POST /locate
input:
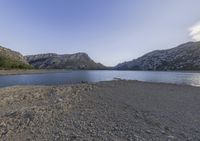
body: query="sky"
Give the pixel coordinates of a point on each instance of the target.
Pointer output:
(109, 31)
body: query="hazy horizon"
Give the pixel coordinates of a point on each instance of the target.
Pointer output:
(110, 31)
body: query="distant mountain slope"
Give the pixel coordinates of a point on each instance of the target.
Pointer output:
(183, 57)
(66, 61)
(10, 59)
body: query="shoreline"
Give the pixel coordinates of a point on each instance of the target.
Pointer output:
(99, 82)
(34, 71)
(54, 71)
(41, 71)
(109, 110)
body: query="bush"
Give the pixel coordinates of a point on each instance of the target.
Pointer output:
(9, 63)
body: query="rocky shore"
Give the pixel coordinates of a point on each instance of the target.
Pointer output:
(30, 71)
(116, 110)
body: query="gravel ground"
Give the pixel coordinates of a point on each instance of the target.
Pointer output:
(105, 111)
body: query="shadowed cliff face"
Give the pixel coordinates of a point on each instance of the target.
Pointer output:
(66, 61)
(12, 60)
(183, 57)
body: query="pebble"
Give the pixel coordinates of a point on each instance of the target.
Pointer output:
(170, 138)
(60, 99)
(163, 132)
(148, 131)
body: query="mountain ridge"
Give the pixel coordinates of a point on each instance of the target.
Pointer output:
(183, 57)
(10, 59)
(75, 61)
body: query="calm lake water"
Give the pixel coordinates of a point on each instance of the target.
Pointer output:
(68, 77)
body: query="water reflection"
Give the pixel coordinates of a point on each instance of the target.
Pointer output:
(187, 78)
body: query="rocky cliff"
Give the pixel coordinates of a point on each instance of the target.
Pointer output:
(10, 59)
(183, 57)
(67, 61)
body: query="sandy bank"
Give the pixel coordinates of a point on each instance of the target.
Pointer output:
(115, 110)
(34, 71)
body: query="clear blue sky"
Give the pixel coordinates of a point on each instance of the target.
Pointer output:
(110, 31)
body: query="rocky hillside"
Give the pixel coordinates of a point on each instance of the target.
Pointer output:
(66, 61)
(12, 60)
(183, 57)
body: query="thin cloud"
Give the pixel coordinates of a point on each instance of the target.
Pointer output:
(195, 32)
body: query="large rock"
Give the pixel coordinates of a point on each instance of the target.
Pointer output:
(183, 57)
(10, 59)
(66, 61)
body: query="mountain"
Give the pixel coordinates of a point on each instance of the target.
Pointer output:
(183, 57)
(10, 59)
(66, 61)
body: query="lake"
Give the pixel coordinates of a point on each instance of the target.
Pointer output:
(70, 77)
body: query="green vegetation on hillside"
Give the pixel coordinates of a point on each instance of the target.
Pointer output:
(9, 63)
